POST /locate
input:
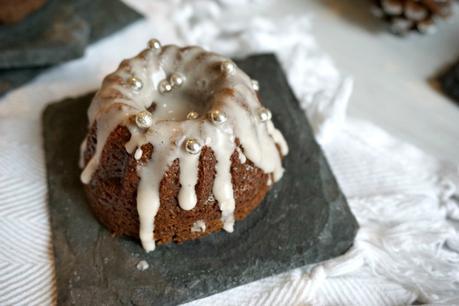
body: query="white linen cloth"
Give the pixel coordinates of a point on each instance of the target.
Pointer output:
(407, 248)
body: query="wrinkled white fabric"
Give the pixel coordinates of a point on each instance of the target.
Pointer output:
(405, 201)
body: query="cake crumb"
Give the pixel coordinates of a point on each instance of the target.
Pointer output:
(142, 265)
(199, 226)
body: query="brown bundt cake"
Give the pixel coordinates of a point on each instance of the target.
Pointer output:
(178, 146)
(12, 11)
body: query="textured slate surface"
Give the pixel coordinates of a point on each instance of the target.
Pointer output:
(104, 16)
(66, 38)
(304, 219)
(449, 82)
(36, 23)
(86, 21)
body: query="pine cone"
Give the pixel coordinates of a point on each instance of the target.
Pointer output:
(404, 16)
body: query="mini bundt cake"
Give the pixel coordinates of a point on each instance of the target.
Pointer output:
(178, 146)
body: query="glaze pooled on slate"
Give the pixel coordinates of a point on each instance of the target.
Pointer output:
(304, 219)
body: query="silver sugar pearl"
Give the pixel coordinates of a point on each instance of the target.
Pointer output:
(154, 44)
(192, 115)
(192, 146)
(264, 114)
(164, 86)
(228, 67)
(176, 80)
(255, 85)
(135, 83)
(144, 119)
(217, 117)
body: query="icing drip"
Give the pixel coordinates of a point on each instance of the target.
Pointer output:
(184, 94)
(148, 195)
(188, 179)
(278, 138)
(223, 147)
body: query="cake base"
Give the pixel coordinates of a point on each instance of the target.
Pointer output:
(304, 218)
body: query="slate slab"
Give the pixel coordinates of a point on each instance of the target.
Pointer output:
(36, 23)
(304, 219)
(103, 16)
(75, 24)
(66, 38)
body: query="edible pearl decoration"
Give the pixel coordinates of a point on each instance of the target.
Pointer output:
(255, 85)
(217, 117)
(135, 83)
(264, 114)
(164, 86)
(192, 115)
(154, 44)
(176, 80)
(228, 67)
(144, 119)
(193, 146)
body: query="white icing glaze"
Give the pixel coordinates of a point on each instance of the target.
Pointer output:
(199, 226)
(205, 87)
(188, 179)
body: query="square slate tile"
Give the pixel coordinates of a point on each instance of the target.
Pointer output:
(74, 24)
(304, 219)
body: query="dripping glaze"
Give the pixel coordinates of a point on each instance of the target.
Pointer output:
(181, 100)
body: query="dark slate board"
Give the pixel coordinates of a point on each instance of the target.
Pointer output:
(65, 39)
(449, 82)
(304, 219)
(100, 17)
(104, 16)
(36, 23)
